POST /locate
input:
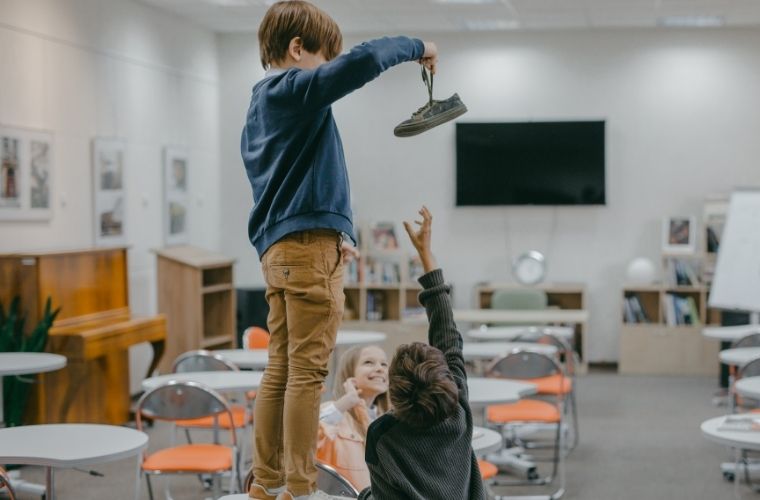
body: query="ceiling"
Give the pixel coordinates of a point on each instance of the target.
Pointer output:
(417, 16)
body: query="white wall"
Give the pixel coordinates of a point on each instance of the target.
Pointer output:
(683, 117)
(112, 68)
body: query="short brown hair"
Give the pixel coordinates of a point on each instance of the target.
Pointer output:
(297, 18)
(421, 387)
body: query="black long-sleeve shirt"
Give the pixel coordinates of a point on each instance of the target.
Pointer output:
(434, 463)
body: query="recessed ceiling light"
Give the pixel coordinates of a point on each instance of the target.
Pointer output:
(490, 25)
(691, 21)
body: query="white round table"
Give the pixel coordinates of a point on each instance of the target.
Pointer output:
(493, 350)
(219, 381)
(485, 441)
(729, 333)
(69, 445)
(739, 356)
(511, 332)
(357, 337)
(257, 359)
(748, 387)
(745, 440)
(246, 359)
(24, 363)
(490, 391)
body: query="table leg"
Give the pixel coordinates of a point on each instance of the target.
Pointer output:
(2, 411)
(139, 476)
(50, 484)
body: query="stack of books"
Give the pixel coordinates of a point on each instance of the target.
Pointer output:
(634, 312)
(680, 310)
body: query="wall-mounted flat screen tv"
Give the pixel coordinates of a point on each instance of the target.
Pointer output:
(530, 163)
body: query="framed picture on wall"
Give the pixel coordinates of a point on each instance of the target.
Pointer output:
(176, 196)
(679, 235)
(26, 174)
(109, 192)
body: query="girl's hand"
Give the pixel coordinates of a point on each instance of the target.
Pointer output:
(351, 398)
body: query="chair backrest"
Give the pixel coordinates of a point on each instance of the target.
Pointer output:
(331, 482)
(201, 361)
(541, 335)
(751, 369)
(519, 298)
(176, 400)
(5, 485)
(524, 365)
(255, 337)
(328, 480)
(751, 340)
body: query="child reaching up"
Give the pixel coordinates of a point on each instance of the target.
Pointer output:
(422, 449)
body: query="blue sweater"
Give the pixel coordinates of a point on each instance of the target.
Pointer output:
(291, 148)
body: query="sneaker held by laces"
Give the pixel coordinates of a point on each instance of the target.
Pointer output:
(432, 114)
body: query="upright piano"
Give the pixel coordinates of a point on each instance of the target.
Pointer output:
(94, 330)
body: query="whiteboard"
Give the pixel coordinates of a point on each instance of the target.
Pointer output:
(736, 284)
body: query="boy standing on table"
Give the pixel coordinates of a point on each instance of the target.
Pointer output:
(294, 160)
(422, 448)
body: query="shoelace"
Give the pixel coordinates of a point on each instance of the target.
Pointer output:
(428, 79)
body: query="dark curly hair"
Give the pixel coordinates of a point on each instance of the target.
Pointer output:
(421, 387)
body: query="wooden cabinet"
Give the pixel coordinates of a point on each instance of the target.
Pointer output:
(559, 296)
(197, 295)
(651, 344)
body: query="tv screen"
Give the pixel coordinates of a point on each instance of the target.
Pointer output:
(531, 163)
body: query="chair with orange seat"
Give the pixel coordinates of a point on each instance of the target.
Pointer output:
(206, 361)
(255, 337)
(174, 401)
(557, 384)
(509, 418)
(6, 487)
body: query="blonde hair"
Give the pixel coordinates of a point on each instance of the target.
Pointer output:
(297, 18)
(346, 369)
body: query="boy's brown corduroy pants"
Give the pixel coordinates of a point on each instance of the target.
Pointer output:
(304, 275)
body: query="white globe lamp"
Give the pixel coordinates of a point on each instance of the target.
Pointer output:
(641, 271)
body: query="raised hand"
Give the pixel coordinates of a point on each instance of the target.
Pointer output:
(420, 238)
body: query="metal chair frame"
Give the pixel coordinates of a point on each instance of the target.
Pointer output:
(176, 408)
(6, 485)
(569, 359)
(204, 360)
(535, 365)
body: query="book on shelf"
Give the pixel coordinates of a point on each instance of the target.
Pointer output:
(415, 269)
(381, 271)
(375, 306)
(680, 310)
(384, 236)
(681, 272)
(634, 312)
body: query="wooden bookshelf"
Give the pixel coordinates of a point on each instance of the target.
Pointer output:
(658, 346)
(196, 292)
(380, 286)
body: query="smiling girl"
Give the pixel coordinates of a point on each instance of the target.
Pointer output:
(361, 395)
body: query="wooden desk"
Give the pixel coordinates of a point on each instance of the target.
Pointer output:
(567, 301)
